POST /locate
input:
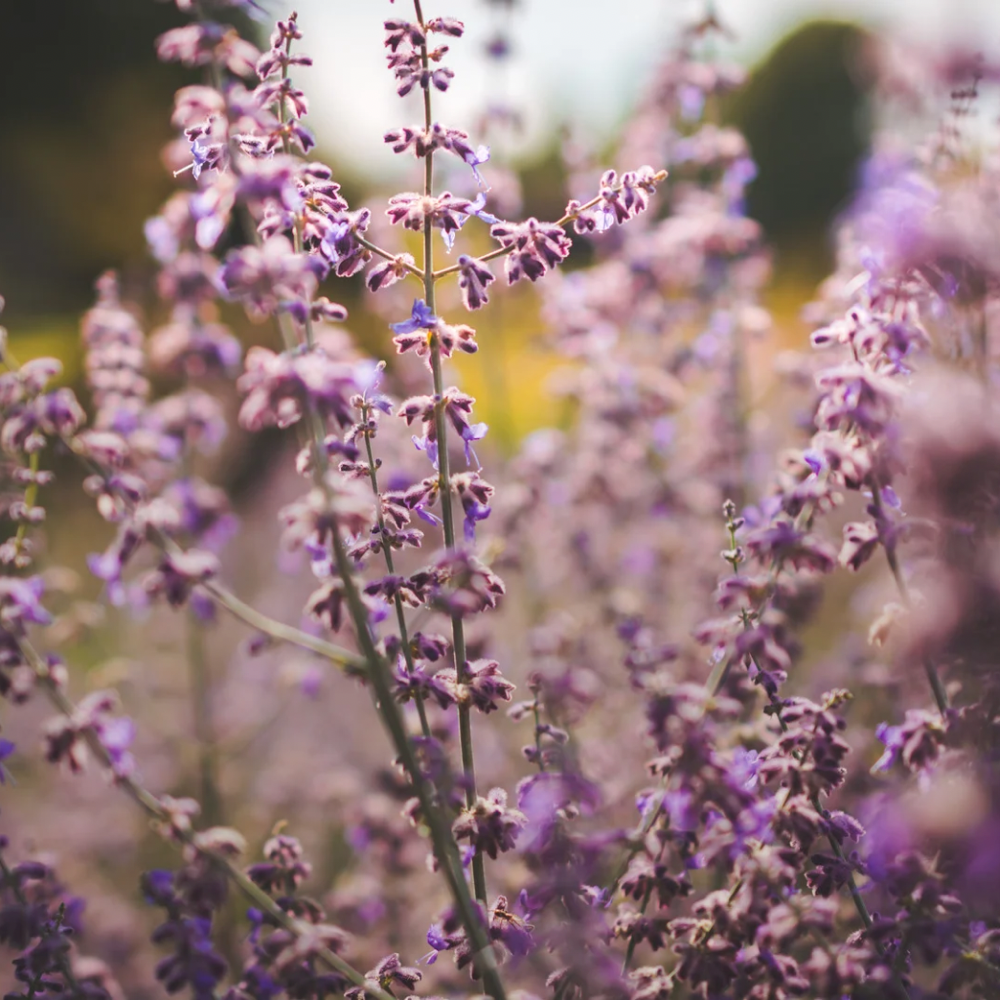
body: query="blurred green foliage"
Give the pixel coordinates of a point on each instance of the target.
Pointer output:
(805, 113)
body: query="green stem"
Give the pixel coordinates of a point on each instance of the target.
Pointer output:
(859, 903)
(441, 431)
(445, 849)
(536, 712)
(379, 252)
(204, 730)
(404, 637)
(344, 658)
(889, 544)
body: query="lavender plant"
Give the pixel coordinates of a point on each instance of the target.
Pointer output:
(687, 817)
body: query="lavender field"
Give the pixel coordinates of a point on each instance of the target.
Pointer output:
(551, 621)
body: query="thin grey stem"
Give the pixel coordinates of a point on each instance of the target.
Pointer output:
(447, 514)
(889, 544)
(204, 729)
(503, 251)
(385, 254)
(445, 849)
(404, 636)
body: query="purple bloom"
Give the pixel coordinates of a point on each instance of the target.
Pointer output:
(754, 824)
(473, 279)
(389, 272)
(116, 736)
(280, 388)
(477, 208)
(509, 929)
(421, 319)
(20, 600)
(440, 940)
(470, 433)
(647, 802)
(744, 768)
(458, 409)
(340, 245)
(533, 247)
(474, 513)
(681, 809)
(490, 825)
(483, 685)
(814, 460)
(6, 749)
(264, 277)
(476, 158)
(890, 498)
(428, 445)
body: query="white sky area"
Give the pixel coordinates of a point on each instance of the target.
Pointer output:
(578, 62)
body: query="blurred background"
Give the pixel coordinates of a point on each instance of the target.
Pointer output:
(88, 112)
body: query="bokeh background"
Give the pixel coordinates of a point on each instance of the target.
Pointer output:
(87, 112)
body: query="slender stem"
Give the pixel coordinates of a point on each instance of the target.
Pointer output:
(379, 252)
(287, 148)
(283, 633)
(147, 801)
(859, 902)
(739, 375)
(503, 251)
(536, 712)
(445, 849)
(30, 495)
(404, 637)
(204, 729)
(889, 544)
(441, 430)
(715, 683)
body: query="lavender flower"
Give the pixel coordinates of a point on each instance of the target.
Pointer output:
(534, 247)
